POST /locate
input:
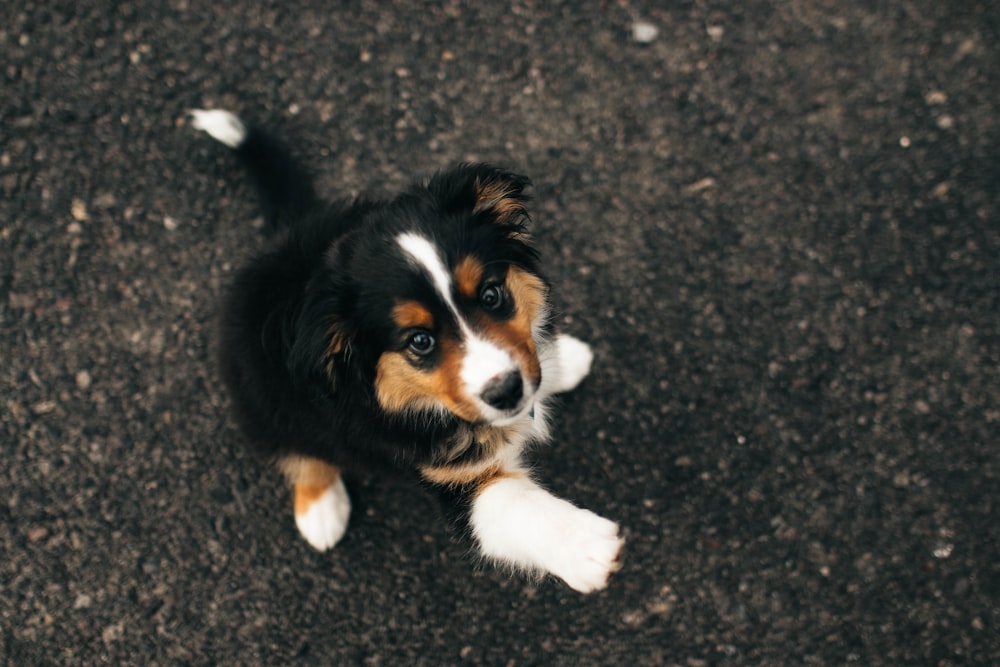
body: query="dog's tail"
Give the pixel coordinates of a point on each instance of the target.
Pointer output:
(285, 189)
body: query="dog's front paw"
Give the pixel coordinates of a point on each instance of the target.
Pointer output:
(324, 521)
(573, 359)
(518, 523)
(587, 551)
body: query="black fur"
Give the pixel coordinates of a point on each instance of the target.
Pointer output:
(335, 268)
(411, 335)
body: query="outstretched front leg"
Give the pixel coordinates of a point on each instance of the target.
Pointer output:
(515, 522)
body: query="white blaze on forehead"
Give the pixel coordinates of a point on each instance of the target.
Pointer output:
(427, 257)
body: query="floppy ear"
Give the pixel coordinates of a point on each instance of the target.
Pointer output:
(319, 343)
(482, 188)
(320, 337)
(320, 340)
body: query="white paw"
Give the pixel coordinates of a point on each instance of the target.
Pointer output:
(586, 548)
(574, 358)
(520, 524)
(221, 125)
(324, 522)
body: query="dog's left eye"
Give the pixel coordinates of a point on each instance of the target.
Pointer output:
(491, 297)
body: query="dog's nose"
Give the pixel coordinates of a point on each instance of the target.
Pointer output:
(504, 392)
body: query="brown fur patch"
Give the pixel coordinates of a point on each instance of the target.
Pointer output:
(310, 478)
(491, 439)
(528, 292)
(468, 274)
(305, 495)
(400, 387)
(337, 343)
(479, 475)
(498, 197)
(412, 314)
(484, 482)
(488, 440)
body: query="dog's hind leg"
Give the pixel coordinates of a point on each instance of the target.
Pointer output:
(322, 506)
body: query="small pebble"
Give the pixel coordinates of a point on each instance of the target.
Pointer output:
(698, 186)
(83, 380)
(936, 97)
(79, 210)
(940, 190)
(644, 32)
(943, 551)
(43, 407)
(113, 632)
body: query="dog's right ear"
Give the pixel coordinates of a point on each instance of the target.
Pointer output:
(315, 350)
(320, 342)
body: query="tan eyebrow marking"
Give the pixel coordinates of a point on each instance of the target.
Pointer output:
(468, 274)
(411, 314)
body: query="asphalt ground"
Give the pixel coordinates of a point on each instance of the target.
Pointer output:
(777, 224)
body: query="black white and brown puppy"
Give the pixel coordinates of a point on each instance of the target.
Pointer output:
(411, 335)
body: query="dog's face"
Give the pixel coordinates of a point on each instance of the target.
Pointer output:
(437, 296)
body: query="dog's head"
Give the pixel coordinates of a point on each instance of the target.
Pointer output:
(435, 301)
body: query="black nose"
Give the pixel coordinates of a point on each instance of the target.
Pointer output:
(504, 393)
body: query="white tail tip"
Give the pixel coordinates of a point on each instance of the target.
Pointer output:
(221, 125)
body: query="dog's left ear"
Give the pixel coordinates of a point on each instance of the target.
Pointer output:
(482, 188)
(501, 193)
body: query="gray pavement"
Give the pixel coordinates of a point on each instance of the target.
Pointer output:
(777, 223)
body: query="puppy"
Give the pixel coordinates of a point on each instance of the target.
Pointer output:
(410, 335)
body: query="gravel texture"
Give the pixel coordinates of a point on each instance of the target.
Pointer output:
(777, 223)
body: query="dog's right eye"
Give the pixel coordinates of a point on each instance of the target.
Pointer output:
(421, 343)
